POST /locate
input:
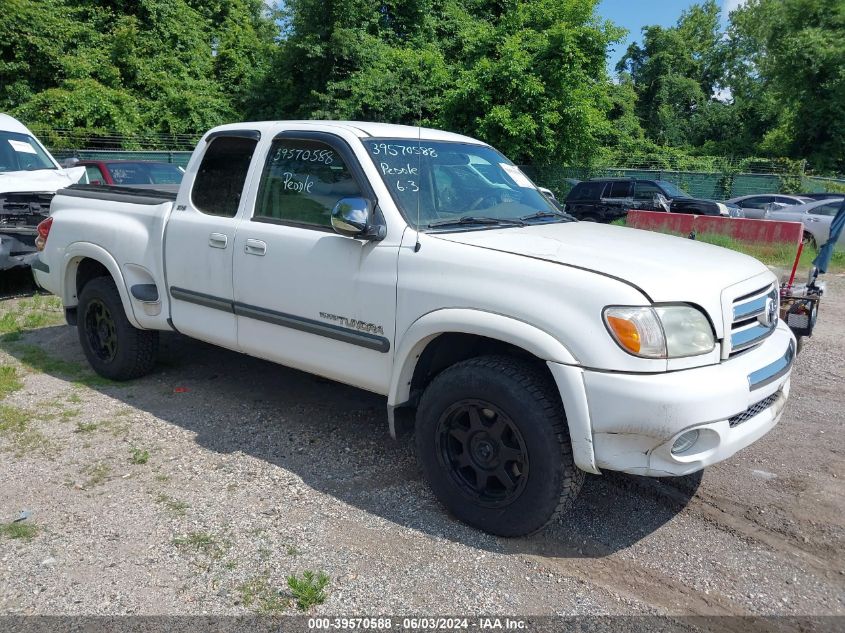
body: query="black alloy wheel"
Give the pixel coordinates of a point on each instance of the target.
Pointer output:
(100, 330)
(483, 451)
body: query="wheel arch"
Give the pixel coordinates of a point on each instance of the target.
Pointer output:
(462, 325)
(464, 333)
(85, 261)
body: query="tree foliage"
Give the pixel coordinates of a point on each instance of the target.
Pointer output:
(528, 76)
(166, 66)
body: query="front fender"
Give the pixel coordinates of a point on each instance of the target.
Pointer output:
(467, 321)
(73, 255)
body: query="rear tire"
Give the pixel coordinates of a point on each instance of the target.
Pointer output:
(114, 348)
(809, 241)
(492, 440)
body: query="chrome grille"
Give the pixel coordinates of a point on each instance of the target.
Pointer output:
(754, 409)
(754, 318)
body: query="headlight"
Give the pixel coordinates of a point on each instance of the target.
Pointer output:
(661, 331)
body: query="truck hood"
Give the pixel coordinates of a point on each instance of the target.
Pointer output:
(665, 268)
(42, 180)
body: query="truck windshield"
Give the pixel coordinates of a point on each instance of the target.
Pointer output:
(21, 152)
(464, 185)
(672, 190)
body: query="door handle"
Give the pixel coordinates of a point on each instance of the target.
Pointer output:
(255, 247)
(218, 240)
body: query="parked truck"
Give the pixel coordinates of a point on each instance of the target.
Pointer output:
(424, 266)
(29, 176)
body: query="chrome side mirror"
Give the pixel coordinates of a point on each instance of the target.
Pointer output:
(351, 218)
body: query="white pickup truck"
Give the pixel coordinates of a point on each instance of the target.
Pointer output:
(424, 266)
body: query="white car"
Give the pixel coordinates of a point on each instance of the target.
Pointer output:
(816, 215)
(29, 176)
(533, 348)
(755, 205)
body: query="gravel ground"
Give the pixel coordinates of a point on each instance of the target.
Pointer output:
(255, 472)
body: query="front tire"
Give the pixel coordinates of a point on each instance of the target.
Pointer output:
(114, 348)
(492, 440)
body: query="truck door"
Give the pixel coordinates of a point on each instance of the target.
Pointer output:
(199, 239)
(305, 296)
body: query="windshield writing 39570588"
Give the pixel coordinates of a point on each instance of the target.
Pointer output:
(436, 182)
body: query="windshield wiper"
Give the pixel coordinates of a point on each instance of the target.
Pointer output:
(548, 214)
(476, 219)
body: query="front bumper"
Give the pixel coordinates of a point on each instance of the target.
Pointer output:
(629, 422)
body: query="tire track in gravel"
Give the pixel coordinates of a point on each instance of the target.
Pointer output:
(728, 516)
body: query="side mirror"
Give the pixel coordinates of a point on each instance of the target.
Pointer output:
(351, 218)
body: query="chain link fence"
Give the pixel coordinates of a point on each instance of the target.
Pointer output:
(714, 177)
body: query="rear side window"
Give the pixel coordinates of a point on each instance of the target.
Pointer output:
(590, 190)
(301, 183)
(618, 189)
(222, 174)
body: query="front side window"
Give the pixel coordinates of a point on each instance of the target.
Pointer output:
(301, 183)
(21, 152)
(757, 202)
(441, 182)
(221, 176)
(646, 191)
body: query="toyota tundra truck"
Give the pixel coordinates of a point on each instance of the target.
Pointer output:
(422, 265)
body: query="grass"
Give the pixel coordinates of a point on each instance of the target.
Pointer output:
(9, 380)
(30, 314)
(779, 255)
(19, 529)
(37, 359)
(202, 542)
(308, 590)
(97, 474)
(174, 506)
(86, 427)
(15, 426)
(257, 592)
(139, 457)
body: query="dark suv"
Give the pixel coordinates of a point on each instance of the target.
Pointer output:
(607, 199)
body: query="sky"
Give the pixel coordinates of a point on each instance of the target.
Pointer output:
(635, 14)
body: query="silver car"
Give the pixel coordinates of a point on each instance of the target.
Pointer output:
(816, 217)
(755, 205)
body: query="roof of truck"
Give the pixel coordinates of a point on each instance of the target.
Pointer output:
(361, 129)
(11, 124)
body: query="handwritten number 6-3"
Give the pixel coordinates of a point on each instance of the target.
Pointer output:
(409, 184)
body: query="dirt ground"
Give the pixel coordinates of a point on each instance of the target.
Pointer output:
(200, 488)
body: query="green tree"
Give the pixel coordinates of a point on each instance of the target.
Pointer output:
(165, 66)
(528, 77)
(789, 60)
(675, 72)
